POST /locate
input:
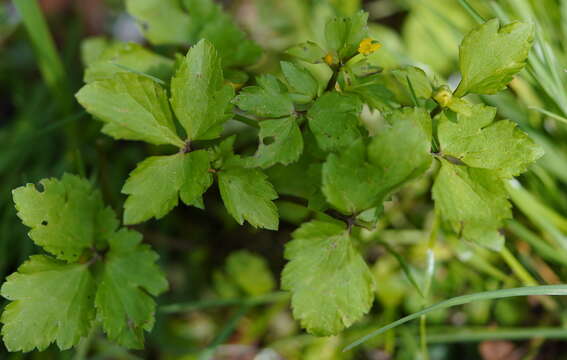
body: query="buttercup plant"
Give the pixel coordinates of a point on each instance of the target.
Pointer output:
(308, 118)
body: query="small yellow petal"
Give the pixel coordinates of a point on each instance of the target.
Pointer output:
(368, 46)
(329, 59)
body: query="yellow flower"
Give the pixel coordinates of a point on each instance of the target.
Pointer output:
(368, 46)
(329, 59)
(443, 96)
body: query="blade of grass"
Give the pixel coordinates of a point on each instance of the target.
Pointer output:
(48, 60)
(472, 11)
(555, 290)
(225, 333)
(405, 267)
(550, 114)
(539, 245)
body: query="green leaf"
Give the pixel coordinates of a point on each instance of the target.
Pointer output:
(129, 279)
(118, 57)
(554, 290)
(154, 187)
(163, 22)
(268, 99)
(402, 161)
(302, 85)
(333, 119)
(247, 195)
(308, 51)
(280, 142)
(344, 34)
(479, 141)
(66, 218)
(301, 179)
(250, 272)
(490, 55)
(50, 302)
(330, 283)
(92, 49)
(473, 202)
(418, 80)
(199, 96)
(350, 183)
(132, 107)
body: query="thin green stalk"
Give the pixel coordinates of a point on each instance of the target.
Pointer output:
(472, 11)
(247, 121)
(206, 304)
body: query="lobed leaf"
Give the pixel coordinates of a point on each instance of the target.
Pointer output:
(154, 187)
(490, 55)
(280, 142)
(51, 301)
(403, 149)
(350, 183)
(129, 279)
(268, 99)
(333, 119)
(247, 195)
(479, 141)
(331, 285)
(474, 202)
(66, 218)
(199, 97)
(133, 107)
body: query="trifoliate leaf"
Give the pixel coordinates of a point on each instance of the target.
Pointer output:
(308, 51)
(490, 55)
(247, 195)
(330, 284)
(268, 99)
(351, 184)
(129, 279)
(128, 57)
(280, 142)
(302, 85)
(66, 218)
(473, 202)
(162, 21)
(199, 96)
(250, 272)
(50, 302)
(333, 119)
(402, 161)
(155, 185)
(133, 107)
(479, 141)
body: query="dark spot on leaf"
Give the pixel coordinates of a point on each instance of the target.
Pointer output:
(268, 140)
(44, 223)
